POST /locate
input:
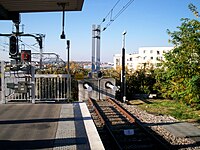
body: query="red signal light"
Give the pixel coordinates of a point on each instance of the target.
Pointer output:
(26, 55)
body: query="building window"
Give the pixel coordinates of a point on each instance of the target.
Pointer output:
(144, 51)
(159, 58)
(158, 52)
(131, 59)
(117, 61)
(151, 51)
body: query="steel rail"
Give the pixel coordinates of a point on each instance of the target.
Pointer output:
(96, 111)
(156, 139)
(106, 125)
(122, 111)
(163, 143)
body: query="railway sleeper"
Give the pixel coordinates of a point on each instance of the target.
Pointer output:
(112, 114)
(135, 142)
(116, 119)
(115, 116)
(132, 138)
(122, 130)
(110, 110)
(118, 122)
(135, 135)
(139, 147)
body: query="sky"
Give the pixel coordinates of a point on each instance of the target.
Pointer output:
(146, 23)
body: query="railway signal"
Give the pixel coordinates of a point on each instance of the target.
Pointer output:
(109, 85)
(99, 74)
(26, 55)
(87, 86)
(13, 50)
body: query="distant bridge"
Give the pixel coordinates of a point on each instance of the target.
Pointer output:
(48, 58)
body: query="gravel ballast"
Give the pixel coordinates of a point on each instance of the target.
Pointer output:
(146, 118)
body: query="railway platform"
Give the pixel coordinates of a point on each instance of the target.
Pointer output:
(48, 126)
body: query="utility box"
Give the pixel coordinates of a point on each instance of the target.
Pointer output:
(11, 85)
(22, 87)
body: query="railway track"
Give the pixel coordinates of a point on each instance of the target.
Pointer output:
(118, 129)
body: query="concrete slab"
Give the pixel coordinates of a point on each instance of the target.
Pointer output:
(78, 131)
(183, 129)
(28, 126)
(71, 133)
(48, 126)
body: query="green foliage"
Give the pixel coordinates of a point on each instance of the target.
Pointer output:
(193, 8)
(140, 82)
(179, 76)
(172, 108)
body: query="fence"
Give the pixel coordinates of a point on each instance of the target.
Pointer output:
(52, 87)
(18, 86)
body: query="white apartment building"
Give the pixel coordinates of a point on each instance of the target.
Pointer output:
(131, 60)
(152, 55)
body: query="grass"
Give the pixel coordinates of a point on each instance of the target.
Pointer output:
(169, 107)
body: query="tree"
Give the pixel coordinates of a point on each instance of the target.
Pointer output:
(141, 81)
(179, 77)
(193, 9)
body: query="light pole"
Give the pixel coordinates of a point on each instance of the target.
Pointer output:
(68, 72)
(123, 73)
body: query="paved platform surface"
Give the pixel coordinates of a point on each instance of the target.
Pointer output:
(47, 126)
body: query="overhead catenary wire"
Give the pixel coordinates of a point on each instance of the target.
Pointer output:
(112, 19)
(29, 46)
(110, 12)
(3, 43)
(123, 9)
(4, 46)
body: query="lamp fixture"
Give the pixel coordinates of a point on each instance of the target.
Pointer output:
(62, 36)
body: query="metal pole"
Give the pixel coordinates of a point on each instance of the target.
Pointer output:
(123, 69)
(33, 84)
(68, 71)
(41, 50)
(99, 89)
(40, 58)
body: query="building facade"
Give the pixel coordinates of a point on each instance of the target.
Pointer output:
(131, 60)
(151, 55)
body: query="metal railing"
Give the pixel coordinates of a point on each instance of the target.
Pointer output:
(18, 86)
(51, 86)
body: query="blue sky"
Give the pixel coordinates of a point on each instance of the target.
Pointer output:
(145, 21)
